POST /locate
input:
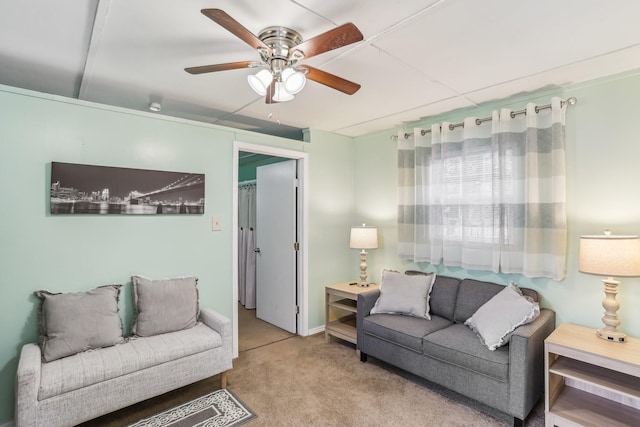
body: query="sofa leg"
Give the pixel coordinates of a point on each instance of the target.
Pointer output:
(223, 380)
(517, 422)
(363, 357)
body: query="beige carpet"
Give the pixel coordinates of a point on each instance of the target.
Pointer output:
(254, 332)
(304, 381)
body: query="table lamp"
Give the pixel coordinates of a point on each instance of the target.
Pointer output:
(610, 255)
(363, 238)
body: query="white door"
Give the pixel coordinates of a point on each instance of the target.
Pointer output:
(275, 238)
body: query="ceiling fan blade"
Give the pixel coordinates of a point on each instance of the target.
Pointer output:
(221, 18)
(333, 39)
(220, 67)
(332, 80)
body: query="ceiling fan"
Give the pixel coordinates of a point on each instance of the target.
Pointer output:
(280, 49)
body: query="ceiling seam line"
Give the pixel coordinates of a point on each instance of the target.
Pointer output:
(99, 19)
(236, 111)
(393, 114)
(552, 69)
(314, 12)
(431, 78)
(370, 40)
(466, 95)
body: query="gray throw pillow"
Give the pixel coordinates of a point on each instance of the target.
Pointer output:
(495, 320)
(162, 306)
(78, 321)
(404, 294)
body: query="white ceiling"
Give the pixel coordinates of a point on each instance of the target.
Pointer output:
(419, 58)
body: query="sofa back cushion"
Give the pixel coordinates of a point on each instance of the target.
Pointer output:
(443, 295)
(472, 295)
(475, 293)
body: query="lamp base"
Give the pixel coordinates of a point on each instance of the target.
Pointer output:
(610, 331)
(363, 269)
(615, 336)
(363, 284)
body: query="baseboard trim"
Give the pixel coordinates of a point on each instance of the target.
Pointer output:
(312, 331)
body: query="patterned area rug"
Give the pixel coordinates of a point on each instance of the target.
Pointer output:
(218, 409)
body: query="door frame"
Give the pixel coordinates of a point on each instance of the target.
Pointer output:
(303, 197)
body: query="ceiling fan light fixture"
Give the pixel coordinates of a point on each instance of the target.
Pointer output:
(260, 81)
(281, 94)
(294, 80)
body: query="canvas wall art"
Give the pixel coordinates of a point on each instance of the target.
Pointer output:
(88, 189)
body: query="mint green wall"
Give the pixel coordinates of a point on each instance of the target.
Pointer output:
(603, 152)
(74, 253)
(331, 187)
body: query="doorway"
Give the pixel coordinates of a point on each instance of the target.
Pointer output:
(239, 315)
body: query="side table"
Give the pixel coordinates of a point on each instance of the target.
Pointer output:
(590, 381)
(341, 306)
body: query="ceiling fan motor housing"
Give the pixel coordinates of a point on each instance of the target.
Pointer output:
(280, 40)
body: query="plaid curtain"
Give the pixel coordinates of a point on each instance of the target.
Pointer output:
(487, 196)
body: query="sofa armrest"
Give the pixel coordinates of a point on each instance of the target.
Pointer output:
(526, 362)
(220, 324)
(366, 301)
(27, 385)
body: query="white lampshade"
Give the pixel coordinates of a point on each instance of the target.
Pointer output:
(260, 82)
(281, 94)
(363, 238)
(294, 81)
(610, 255)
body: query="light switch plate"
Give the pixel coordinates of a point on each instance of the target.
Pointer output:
(216, 223)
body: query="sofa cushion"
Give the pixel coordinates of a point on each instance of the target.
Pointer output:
(78, 321)
(443, 295)
(471, 296)
(406, 331)
(460, 346)
(162, 306)
(404, 294)
(495, 320)
(91, 367)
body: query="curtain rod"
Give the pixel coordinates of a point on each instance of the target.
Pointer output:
(570, 101)
(247, 183)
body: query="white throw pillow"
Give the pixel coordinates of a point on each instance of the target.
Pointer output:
(495, 321)
(404, 294)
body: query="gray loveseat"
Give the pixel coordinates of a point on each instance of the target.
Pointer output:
(445, 351)
(74, 389)
(84, 367)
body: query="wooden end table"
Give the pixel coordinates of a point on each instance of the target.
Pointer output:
(341, 306)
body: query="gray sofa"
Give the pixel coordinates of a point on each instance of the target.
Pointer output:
(445, 351)
(77, 388)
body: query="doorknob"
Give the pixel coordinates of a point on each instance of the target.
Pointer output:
(256, 250)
